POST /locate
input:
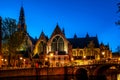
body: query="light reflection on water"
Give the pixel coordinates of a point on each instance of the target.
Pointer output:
(57, 78)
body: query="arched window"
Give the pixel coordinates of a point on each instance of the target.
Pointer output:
(60, 44)
(74, 53)
(57, 44)
(54, 45)
(88, 53)
(80, 53)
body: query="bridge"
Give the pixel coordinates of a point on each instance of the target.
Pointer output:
(98, 67)
(93, 68)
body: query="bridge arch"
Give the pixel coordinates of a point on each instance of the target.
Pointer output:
(104, 67)
(82, 73)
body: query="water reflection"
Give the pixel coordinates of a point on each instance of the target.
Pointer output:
(100, 77)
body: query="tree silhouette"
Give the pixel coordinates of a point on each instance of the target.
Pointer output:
(12, 39)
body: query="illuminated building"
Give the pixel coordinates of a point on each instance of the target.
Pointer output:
(59, 50)
(65, 50)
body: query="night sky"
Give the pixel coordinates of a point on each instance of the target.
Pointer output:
(95, 17)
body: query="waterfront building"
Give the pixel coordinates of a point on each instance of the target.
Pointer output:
(58, 50)
(61, 51)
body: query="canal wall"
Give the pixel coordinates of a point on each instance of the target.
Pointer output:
(32, 71)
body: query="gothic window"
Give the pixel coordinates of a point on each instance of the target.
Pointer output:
(80, 53)
(54, 44)
(93, 53)
(88, 53)
(96, 53)
(74, 53)
(60, 44)
(57, 44)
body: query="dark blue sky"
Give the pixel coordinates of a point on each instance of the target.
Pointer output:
(95, 17)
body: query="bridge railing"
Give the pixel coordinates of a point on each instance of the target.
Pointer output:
(105, 61)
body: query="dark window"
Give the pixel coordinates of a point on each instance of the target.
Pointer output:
(57, 44)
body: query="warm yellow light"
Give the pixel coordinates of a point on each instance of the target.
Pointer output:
(5, 60)
(103, 53)
(21, 58)
(119, 58)
(72, 59)
(2, 59)
(24, 60)
(51, 54)
(46, 59)
(84, 57)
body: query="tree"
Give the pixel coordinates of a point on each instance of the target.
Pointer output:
(12, 39)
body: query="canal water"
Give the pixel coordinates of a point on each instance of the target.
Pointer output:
(101, 77)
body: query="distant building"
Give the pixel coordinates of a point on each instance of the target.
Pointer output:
(116, 55)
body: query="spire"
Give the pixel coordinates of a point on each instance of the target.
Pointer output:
(75, 36)
(87, 35)
(21, 23)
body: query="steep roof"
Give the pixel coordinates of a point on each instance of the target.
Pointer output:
(43, 36)
(83, 42)
(57, 30)
(32, 39)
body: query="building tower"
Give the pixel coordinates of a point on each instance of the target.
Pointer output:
(21, 23)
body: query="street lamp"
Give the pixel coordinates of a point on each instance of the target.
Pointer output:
(84, 57)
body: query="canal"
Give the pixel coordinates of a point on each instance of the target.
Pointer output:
(64, 77)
